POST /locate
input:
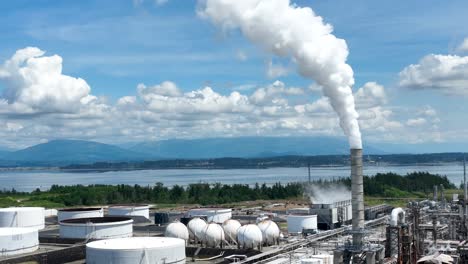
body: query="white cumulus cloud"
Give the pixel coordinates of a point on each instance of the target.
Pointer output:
(370, 95)
(416, 121)
(445, 73)
(274, 71)
(35, 84)
(463, 46)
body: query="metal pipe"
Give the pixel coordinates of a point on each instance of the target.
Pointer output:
(357, 195)
(397, 216)
(465, 192)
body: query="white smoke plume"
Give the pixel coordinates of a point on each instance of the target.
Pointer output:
(287, 30)
(327, 194)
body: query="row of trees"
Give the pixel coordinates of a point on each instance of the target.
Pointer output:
(381, 185)
(202, 193)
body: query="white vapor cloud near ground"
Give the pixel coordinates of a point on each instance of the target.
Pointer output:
(327, 194)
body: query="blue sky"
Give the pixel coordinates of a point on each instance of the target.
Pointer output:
(116, 45)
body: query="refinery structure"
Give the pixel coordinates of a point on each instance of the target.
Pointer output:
(426, 231)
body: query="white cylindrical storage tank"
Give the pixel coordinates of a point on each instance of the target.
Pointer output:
(217, 215)
(74, 213)
(270, 232)
(249, 236)
(297, 223)
(136, 250)
(130, 210)
(97, 227)
(196, 226)
(213, 235)
(32, 217)
(177, 230)
(18, 240)
(230, 228)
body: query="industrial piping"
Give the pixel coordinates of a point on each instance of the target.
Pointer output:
(397, 216)
(357, 195)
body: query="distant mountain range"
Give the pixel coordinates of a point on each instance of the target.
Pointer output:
(65, 152)
(246, 147)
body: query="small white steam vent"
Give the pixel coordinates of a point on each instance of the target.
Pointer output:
(32, 217)
(136, 250)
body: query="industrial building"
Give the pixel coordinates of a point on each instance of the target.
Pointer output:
(425, 231)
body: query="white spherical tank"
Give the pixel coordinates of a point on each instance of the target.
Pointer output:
(32, 217)
(136, 250)
(177, 230)
(74, 213)
(270, 232)
(297, 223)
(130, 210)
(196, 227)
(213, 235)
(97, 227)
(230, 228)
(18, 240)
(249, 236)
(217, 215)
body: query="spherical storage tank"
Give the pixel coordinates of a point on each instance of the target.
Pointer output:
(213, 235)
(249, 236)
(297, 223)
(177, 230)
(32, 217)
(130, 210)
(217, 215)
(18, 240)
(74, 213)
(196, 226)
(136, 250)
(97, 227)
(270, 232)
(230, 228)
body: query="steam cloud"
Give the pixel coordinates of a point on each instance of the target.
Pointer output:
(327, 194)
(287, 30)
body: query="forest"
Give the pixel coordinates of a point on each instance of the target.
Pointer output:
(416, 184)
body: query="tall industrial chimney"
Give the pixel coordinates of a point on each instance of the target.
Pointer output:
(357, 195)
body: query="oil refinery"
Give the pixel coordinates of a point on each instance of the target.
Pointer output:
(425, 231)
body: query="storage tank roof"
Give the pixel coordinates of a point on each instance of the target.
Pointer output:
(80, 209)
(15, 209)
(136, 243)
(130, 206)
(96, 220)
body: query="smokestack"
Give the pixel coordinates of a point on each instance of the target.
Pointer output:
(357, 195)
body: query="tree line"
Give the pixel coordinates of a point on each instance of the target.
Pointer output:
(379, 185)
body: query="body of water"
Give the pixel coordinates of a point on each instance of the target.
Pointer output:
(30, 180)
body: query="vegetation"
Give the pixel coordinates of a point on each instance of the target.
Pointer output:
(271, 162)
(377, 188)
